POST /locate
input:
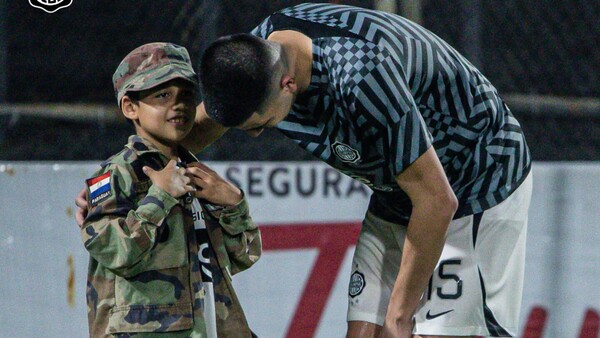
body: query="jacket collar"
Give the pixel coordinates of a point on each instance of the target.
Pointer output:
(144, 148)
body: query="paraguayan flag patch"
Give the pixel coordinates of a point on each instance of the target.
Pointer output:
(99, 188)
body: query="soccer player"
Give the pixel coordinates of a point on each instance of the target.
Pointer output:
(382, 99)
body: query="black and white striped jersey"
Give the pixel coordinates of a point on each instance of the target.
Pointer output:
(383, 90)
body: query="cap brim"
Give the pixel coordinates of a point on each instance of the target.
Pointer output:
(161, 75)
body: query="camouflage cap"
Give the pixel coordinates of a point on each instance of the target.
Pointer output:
(150, 65)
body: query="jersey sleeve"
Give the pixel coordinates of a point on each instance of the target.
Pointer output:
(378, 93)
(120, 232)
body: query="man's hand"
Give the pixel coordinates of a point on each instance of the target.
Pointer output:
(82, 207)
(171, 178)
(212, 187)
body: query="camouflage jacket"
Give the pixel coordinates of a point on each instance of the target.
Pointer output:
(144, 274)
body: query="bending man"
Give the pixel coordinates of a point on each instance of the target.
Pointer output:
(387, 102)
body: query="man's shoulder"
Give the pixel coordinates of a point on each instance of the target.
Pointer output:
(315, 20)
(320, 10)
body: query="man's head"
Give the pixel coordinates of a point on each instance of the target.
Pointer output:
(245, 82)
(151, 65)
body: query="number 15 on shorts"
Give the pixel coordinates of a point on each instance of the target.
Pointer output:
(450, 284)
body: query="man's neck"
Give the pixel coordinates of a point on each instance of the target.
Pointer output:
(297, 49)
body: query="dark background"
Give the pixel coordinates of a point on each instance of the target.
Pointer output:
(534, 48)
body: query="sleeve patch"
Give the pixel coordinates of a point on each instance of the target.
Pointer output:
(99, 188)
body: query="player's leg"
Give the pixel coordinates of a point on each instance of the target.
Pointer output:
(417, 336)
(374, 269)
(359, 329)
(476, 287)
(500, 254)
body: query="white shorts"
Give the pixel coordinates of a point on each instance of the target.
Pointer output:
(477, 284)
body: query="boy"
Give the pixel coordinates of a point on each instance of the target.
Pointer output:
(160, 232)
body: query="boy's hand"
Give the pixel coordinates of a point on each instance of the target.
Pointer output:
(82, 207)
(212, 187)
(171, 178)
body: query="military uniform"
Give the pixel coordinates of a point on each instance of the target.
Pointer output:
(144, 274)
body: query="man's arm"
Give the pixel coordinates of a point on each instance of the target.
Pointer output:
(204, 133)
(434, 204)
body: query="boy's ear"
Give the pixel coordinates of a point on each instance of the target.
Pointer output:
(129, 108)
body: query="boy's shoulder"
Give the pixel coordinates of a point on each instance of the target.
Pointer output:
(125, 157)
(119, 175)
(126, 161)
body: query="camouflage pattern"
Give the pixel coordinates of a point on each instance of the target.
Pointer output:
(150, 65)
(242, 242)
(144, 276)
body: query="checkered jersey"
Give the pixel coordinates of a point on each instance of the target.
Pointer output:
(383, 90)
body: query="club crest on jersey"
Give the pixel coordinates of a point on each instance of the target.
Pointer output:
(345, 153)
(99, 188)
(357, 284)
(50, 6)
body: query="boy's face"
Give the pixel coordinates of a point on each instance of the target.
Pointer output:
(165, 114)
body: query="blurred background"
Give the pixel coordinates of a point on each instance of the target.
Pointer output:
(57, 106)
(57, 101)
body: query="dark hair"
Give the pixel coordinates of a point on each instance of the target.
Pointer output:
(134, 96)
(235, 74)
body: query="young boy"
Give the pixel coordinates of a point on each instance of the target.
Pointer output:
(163, 231)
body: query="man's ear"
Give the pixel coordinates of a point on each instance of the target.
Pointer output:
(288, 83)
(129, 108)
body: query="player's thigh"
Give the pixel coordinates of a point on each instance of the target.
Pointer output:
(374, 269)
(450, 303)
(476, 287)
(360, 329)
(417, 336)
(500, 251)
